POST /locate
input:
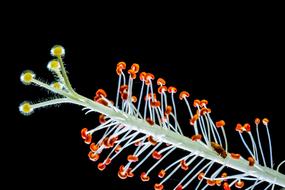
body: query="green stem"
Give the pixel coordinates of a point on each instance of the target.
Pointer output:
(65, 77)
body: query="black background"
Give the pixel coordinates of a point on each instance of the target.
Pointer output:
(235, 63)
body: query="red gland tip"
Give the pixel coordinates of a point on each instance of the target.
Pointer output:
(196, 137)
(101, 166)
(235, 156)
(130, 173)
(161, 82)
(257, 121)
(93, 157)
(161, 174)
(105, 142)
(84, 133)
(102, 101)
(196, 103)
(134, 99)
(239, 128)
(144, 177)
(132, 74)
(101, 92)
(102, 119)
(135, 67)
(123, 89)
(246, 127)
(239, 184)
(155, 103)
(218, 182)
(162, 89)
(211, 182)
(94, 147)
(118, 148)
(220, 123)
(179, 187)
(224, 175)
(110, 142)
(172, 89)
(149, 76)
(88, 139)
(184, 165)
(265, 121)
(156, 155)
(251, 161)
(168, 110)
(203, 103)
(201, 176)
(121, 173)
(151, 140)
(142, 76)
(133, 158)
(226, 186)
(151, 122)
(183, 95)
(193, 119)
(158, 186)
(108, 161)
(120, 67)
(203, 111)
